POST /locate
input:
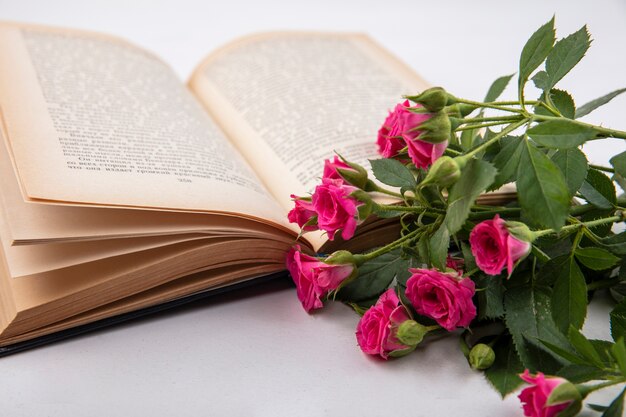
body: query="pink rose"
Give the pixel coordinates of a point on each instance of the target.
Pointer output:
(377, 329)
(335, 208)
(314, 278)
(330, 168)
(389, 145)
(494, 247)
(302, 213)
(534, 397)
(443, 297)
(424, 154)
(400, 129)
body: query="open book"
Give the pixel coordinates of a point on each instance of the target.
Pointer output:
(123, 188)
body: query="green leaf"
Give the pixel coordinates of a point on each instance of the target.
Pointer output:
(565, 55)
(491, 297)
(548, 274)
(528, 316)
(563, 102)
(569, 297)
(497, 88)
(584, 347)
(503, 374)
(438, 247)
(619, 163)
(541, 80)
(507, 161)
(542, 189)
(618, 351)
(597, 407)
(391, 172)
(577, 374)
(542, 358)
(598, 189)
(615, 243)
(374, 277)
(603, 347)
(468, 257)
(476, 177)
(535, 51)
(618, 321)
(568, 355)
(561, 134)
(616, 408)
(573, 164)
(596, 258)
(587, 108)
(470, 138)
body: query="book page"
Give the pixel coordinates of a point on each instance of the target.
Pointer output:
(32, 223)
(289, 100)
(94, 120)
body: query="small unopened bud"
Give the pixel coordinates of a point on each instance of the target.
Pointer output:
(434, 99)
(411, 333)
(436, 129)
(481, 356)
(444, 172)
(520, 231)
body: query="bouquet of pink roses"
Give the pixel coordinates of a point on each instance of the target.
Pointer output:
(512, 281)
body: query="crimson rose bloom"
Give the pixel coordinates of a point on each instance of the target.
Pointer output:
(302, 213)
(494, 247)
(534, 397)
(377, 329)
(400, 129)
(330, 168)
(335, 208)
(443, 297)
(314, 278)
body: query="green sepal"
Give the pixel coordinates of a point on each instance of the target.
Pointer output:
(401, 352)
(563, 394)
(437, 129)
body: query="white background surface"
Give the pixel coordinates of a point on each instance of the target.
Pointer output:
(255, 352)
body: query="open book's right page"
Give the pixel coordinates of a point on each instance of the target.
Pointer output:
(289, 100)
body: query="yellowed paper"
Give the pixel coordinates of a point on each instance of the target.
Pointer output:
(289, 100)
(95, 120)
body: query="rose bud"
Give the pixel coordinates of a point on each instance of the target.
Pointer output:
(444, 297)
(494, 247)
(330, 168)
(403, 127)
(434, 99)
(314, 279)
(424, 154)
(390, 141)
(335, 207)
(411, 333)
(435, 130)
(445, 172)
(377, 331)
(303, 214)
(481, 356)
(549, 396)
(349, 172)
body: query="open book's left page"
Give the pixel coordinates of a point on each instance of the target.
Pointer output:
(93, 120)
